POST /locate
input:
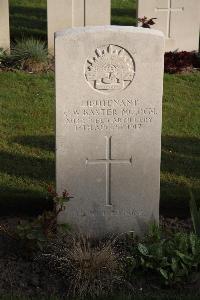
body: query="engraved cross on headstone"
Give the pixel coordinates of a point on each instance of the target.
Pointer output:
(169, 11)
(108, 161)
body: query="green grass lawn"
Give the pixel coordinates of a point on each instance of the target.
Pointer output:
(26, 139)
(27, 125)
(180, 166)
(29, 17)
(123, 12)
(27, 164)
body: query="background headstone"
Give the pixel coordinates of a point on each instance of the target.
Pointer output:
(73, 13)
(108, 115)
(177, 19)
(4, 25)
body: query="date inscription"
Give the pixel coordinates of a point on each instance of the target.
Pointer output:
(109, 115)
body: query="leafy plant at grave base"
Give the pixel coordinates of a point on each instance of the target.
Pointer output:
(195, 214)
(33, 235)
(1, 53)
(30, 55)
(3, 56)
(146, 23)
(178, 61)
(173, 258)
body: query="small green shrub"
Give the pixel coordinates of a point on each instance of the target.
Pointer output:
(30, 55)
(3, 56)
(33, 235)
(173, 258)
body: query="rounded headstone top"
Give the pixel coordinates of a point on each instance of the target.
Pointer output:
(111, 28)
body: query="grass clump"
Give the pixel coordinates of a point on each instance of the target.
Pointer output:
(94, 270)
(89, 268)
(30, 55)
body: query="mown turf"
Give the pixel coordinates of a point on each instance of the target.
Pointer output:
(27, 124)
(180, 142)
(123, 12)
(27, 141)
(29, 18)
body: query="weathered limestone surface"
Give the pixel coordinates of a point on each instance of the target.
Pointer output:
(64, 14)
(4, 25)
(108, 126)
(177, 19)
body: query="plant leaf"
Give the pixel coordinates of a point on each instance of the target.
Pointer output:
(164, 273)
(143, 249)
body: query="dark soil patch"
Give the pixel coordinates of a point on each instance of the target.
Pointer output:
(24, 274)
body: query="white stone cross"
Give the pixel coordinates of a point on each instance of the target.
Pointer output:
(108, 161)
(169, 11)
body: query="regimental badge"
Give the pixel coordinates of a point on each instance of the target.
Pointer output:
(111, 68)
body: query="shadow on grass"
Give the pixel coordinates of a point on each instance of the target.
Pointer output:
(32, 21)
(16, 202)
(174, 199)
(28, 22)
(180, 157)
(45, 142)
(123, 12)
(180, 168)
(182, 145)
(123, 16)
(27, 200)
(27, 166)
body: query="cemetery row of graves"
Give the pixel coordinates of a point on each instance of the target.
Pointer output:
(126, 169)
(169, 17)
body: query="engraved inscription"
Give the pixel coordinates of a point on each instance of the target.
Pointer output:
(110, 68)
(108, 212)
(108, 161)
(110, 114)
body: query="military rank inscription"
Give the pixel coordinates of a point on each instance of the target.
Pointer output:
(109, 114)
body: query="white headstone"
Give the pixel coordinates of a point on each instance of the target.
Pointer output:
(177, 19)
(109, 84)
(4, 25)
(64, 14)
